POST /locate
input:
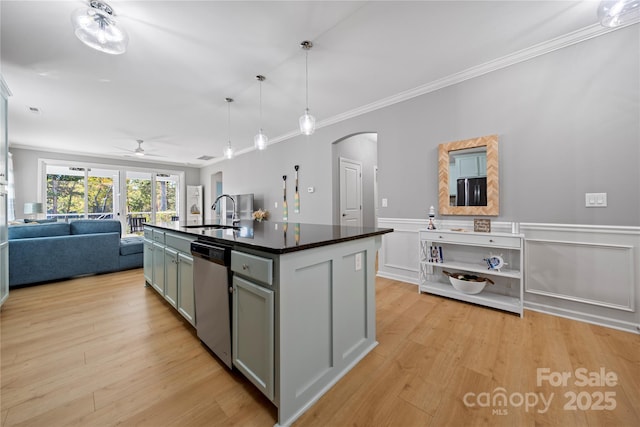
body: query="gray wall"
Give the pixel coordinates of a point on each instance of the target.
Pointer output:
(25, 168)
(568, 123)
(261, 173)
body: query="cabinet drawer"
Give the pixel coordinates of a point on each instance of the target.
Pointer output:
(252, 266)
(148, 233)
(472, 239)
(182, 244)
(158, 236)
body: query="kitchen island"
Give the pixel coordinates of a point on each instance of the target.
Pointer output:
(303, 300)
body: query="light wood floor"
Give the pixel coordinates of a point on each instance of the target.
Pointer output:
(104, 350)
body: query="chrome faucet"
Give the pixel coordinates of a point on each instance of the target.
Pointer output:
(234, 216)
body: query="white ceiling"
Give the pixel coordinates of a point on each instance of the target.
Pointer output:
(185, 57)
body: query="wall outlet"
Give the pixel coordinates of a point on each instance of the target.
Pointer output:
(358, 261)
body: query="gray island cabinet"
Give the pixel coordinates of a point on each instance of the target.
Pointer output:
(303, 304)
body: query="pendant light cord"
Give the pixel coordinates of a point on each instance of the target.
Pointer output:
(260, 80)
(306, 67)
(229, 122)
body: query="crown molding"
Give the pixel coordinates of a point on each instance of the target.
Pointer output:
(523, 55)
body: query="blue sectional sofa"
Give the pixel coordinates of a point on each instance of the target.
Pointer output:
(60, 250)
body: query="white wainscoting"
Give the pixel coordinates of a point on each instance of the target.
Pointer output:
(587, 273)
(398, 256)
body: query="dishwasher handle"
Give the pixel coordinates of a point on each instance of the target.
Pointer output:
(217, 254)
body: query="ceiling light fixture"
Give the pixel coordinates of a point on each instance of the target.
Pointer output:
(139, 151)
(96, 27)
(228, 152)
(261, 139)
(307, 121)
(613, 13)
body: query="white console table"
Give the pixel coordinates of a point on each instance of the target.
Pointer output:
(463, 252)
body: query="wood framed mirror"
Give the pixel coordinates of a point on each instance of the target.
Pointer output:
(468, 178)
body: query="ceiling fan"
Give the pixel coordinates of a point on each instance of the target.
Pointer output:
(138, 151)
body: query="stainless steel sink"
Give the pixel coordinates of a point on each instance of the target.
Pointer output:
(213, 226)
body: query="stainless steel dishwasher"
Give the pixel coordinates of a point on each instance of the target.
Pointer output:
(212, 288)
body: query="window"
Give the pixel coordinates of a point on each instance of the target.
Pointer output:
(97, 192)
(77, 192)
(166, 200)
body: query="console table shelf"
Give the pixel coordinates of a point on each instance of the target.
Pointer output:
(486, 298)
(477, 268)
(464, 252)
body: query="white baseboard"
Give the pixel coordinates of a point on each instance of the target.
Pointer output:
(398, 277)
(583, 317)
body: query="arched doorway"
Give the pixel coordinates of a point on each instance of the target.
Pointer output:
(354, 165)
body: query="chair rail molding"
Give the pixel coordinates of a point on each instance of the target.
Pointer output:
(589, 273)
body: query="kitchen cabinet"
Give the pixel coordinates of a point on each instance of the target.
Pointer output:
(466, 252)
(158, 268)
(171, 276)
(4, 181)
(168, 267)
(186, 297)
(253, 334)
(147, 262)
(471, 165)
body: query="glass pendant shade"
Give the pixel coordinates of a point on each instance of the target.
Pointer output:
(307, 123)
(228, 152)
(96, 27)
(613, 13)
(260, 140)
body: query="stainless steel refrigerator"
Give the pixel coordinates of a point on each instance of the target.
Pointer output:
(472, 191)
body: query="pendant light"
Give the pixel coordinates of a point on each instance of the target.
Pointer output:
(613, 13)
(307, 121)
(96, 27)
(228, 152)
(260, 140)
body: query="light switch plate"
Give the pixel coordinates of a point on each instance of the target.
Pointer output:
(595, 200)
(384, 203)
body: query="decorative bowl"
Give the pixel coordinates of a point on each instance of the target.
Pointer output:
(467, 286)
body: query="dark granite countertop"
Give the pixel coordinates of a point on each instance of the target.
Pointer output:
(275, 237)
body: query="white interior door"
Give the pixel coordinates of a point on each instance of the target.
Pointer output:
(350, 192)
